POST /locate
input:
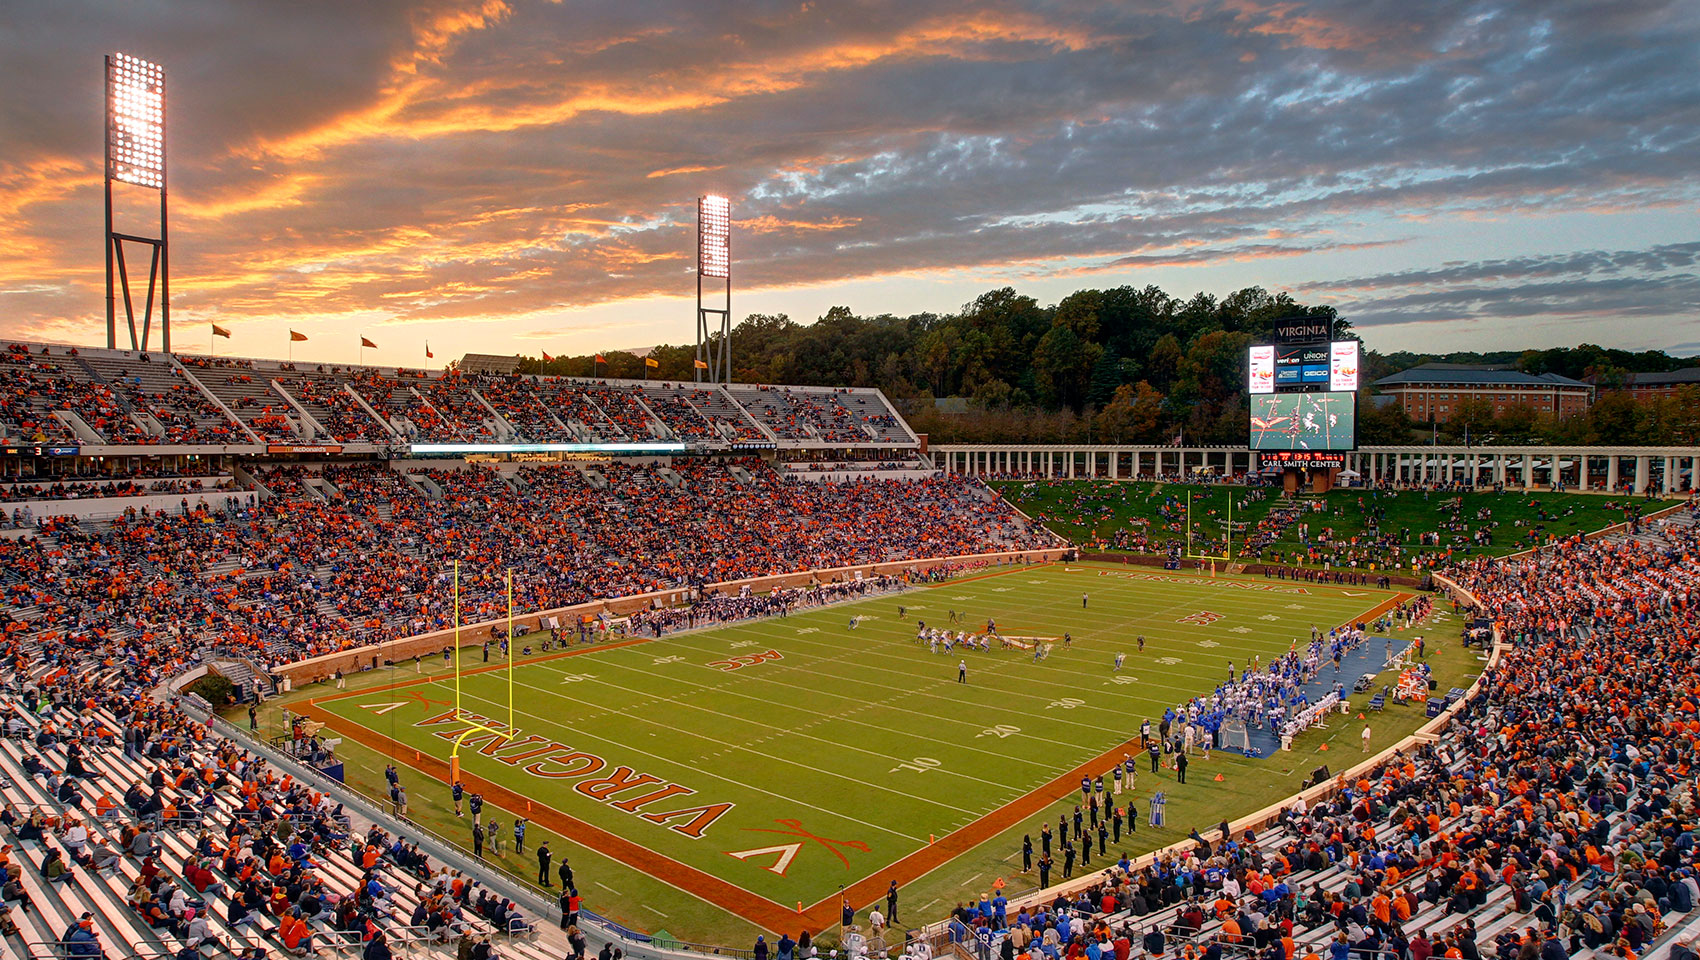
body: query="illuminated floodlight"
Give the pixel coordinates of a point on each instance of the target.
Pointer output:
(135, 154)
(714, 237)
(135, 121)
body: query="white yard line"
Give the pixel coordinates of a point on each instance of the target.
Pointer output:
(742, 784)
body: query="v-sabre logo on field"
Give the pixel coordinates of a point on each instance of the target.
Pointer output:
(598, 779)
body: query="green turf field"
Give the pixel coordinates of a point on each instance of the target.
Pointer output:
(1105, 514)
(705, 780)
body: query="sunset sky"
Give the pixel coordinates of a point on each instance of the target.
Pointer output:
(517, 175)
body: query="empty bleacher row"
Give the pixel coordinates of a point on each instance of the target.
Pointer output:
(1557, 816)
(53, 394)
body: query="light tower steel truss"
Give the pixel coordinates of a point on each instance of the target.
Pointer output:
(714, 263)
(135, 155)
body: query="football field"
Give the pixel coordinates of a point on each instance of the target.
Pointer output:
(768, 764)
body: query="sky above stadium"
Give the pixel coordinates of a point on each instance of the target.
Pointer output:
(518, 175)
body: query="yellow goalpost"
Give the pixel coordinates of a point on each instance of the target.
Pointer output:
(475, 726)
(1228, 545)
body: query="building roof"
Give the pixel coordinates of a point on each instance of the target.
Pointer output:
(489, 363)
(1475, 375)
(1671, 379)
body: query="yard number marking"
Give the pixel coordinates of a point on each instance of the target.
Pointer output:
(1066, 703)
(919, 765)
(1168, 661)
(577, 677)
(1122, 679)
(1001, 730)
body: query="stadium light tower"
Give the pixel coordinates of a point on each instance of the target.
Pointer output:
(714, 261)
(135, 154)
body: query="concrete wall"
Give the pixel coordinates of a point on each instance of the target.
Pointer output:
(100, 507)
(426, 644)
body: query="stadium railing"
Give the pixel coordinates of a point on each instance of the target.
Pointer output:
(355, 659)
(1261, 818)
(528, 898)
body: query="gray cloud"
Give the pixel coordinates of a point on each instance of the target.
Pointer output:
(482, 159)
(1583, 285)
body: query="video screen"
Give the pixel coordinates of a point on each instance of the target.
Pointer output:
(1304, 421)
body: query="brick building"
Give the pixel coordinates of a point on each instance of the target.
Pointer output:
(1433, 391)
(1650, 386)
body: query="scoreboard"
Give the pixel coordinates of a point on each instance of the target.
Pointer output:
(1303, 389)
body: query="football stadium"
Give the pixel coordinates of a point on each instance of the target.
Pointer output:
(1202, 632)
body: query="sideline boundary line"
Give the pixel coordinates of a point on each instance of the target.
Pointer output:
(757, 909)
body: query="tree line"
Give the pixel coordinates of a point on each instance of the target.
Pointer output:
(1122, 365)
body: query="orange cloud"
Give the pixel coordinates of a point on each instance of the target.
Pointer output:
(674, 171)
(416, 104)
(772, 224)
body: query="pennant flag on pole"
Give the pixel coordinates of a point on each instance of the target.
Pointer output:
(293, 336)
(428, 353)
(599, 359)
(367, 343)
(651, 362)
(701, 365)
(547, 358)
(219, 331)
